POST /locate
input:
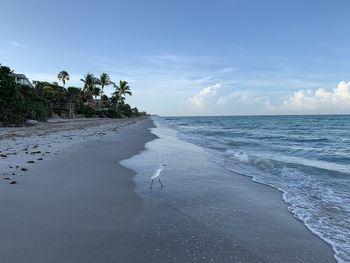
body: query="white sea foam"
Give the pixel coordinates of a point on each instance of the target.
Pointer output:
(312, 201)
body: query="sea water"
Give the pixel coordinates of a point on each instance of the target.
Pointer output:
(306, 157)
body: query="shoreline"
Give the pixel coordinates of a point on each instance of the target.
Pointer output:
(295, 216)
(247, 221)
(83, 206)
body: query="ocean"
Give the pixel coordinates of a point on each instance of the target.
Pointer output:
(305, 157)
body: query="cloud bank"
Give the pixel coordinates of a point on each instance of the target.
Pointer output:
(200, 100)
(321, 100)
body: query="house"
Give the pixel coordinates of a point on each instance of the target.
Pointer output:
(21, 79)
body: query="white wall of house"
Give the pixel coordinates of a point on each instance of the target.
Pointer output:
(21, 79)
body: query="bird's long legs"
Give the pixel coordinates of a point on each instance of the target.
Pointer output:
(161, 185)
(160, 182)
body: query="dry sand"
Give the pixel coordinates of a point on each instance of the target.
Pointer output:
(21, 148)
(71, 208)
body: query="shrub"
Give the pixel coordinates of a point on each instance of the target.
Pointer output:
(34, 107)
(125, 109)
(18, 103)
(112, 113)
(87, 111)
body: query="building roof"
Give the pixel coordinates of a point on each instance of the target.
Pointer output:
(17, 75)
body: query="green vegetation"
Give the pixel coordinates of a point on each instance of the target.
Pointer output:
(63, 76)
(104, 80)
(19, 103)
(90, 86)
(87, 111)
(120, 91)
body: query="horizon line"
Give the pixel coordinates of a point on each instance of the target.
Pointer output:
(252, 115)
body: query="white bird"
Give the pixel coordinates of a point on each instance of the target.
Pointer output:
(156, 175)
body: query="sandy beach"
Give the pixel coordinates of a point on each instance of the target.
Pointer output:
(80, 204)
(174, 131)
(23, 147)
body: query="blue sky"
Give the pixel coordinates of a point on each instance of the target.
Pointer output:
(189, 57)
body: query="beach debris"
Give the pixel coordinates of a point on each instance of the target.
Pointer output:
(3, 155)
(13, 182)
(7, 178)
(30, 162)
(37, 152)
(24, 169)
(17, 166)
(40, 159)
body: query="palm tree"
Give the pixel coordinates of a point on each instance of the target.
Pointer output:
(121, 90)
(104, 80)
(96, 92)
(90, 83)
(63, 76)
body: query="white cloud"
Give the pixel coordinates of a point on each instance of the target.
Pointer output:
(247, 97)
(221, 101)
(318, 101)
(227, 70)
(199, 100)
(17, 44)
(225, 98)
(172, 58)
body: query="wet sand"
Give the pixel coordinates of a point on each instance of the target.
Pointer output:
(81, 206)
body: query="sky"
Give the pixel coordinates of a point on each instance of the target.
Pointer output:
(190, 57)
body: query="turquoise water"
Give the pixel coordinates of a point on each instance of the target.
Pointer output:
(306, 157)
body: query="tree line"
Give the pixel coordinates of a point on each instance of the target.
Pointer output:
(19, 103)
